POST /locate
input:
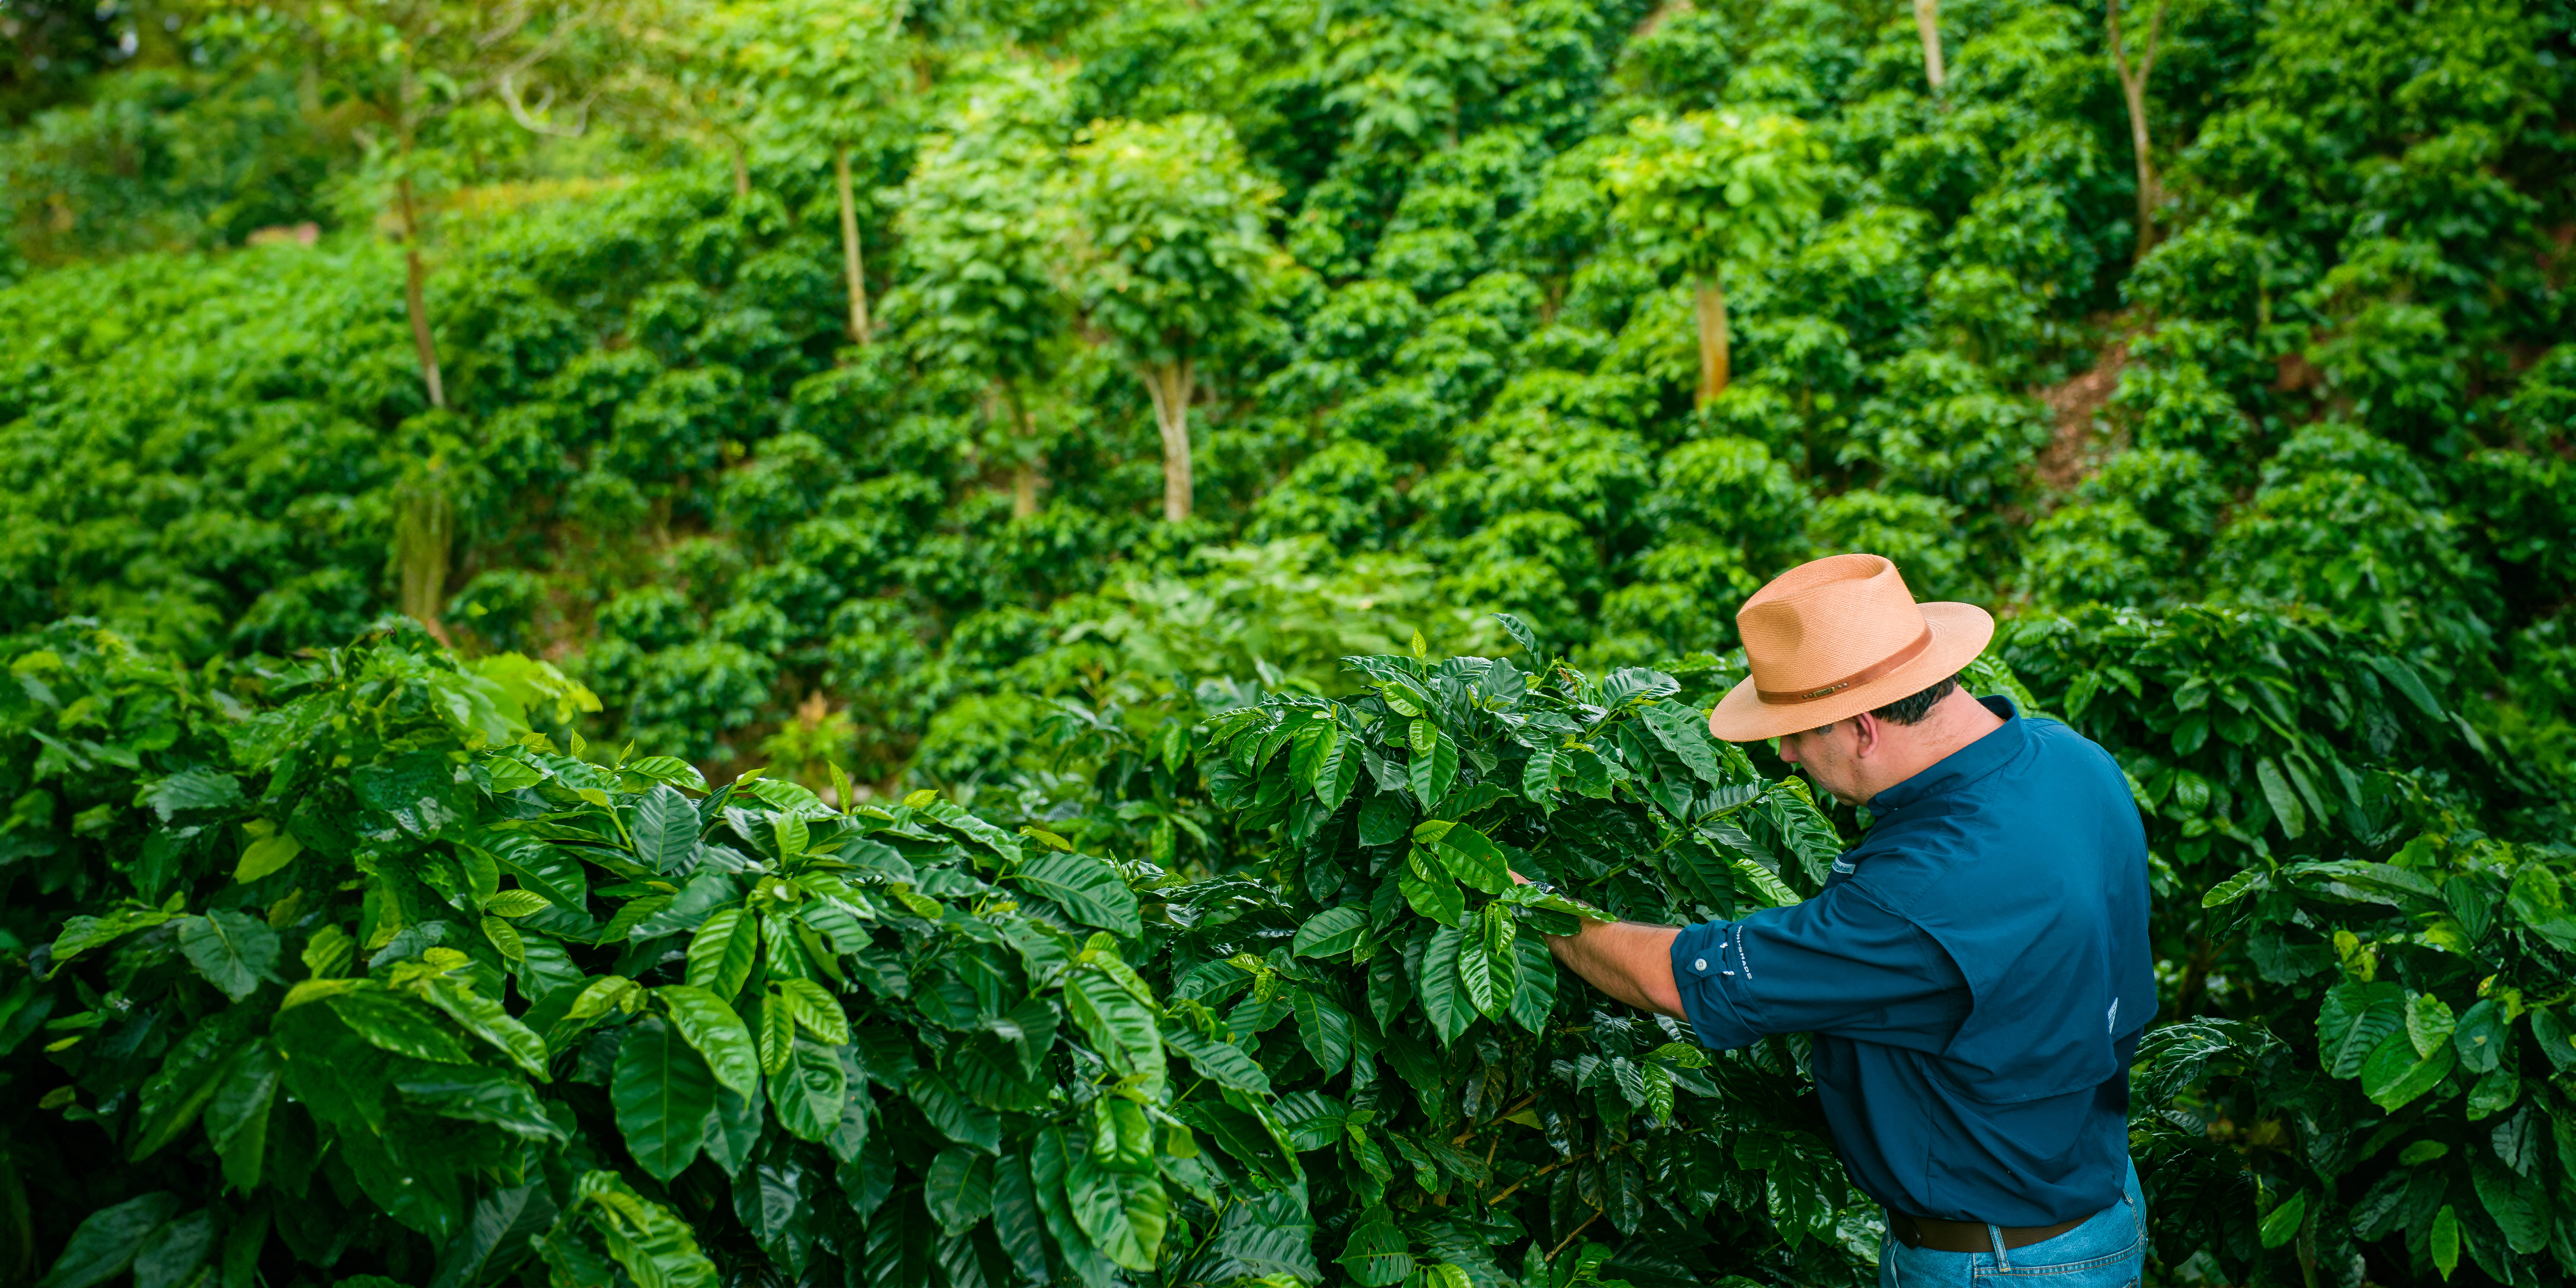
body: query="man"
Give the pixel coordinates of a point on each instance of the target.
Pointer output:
(1975, 972)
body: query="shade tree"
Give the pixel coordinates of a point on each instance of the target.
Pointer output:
(980, 245)
(1708, 189)
(1168, 229)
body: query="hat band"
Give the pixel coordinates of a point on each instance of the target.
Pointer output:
(1863, 676)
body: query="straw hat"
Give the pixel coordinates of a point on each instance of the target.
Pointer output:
(1836, 637)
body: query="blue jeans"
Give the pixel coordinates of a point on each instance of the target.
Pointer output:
(2108, 1251)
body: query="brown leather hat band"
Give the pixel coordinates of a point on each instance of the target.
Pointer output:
(1864, 675)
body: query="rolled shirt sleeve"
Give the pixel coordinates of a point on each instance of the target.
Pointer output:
(1837, 964)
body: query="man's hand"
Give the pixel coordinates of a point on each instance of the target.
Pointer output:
(1628, 961)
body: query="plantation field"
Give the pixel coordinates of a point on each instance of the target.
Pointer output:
(779, 642)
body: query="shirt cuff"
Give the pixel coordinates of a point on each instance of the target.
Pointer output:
(1703, 973)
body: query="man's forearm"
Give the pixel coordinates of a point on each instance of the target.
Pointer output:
(1628, 961)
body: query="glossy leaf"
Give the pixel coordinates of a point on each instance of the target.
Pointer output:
(664, 1094)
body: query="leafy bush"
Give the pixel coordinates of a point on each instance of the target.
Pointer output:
(376, 977)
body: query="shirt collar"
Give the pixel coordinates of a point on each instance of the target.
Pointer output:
(1961, 767)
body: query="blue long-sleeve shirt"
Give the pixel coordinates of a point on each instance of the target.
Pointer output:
(1976, 975)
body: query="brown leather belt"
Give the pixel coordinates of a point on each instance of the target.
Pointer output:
(1968, 1236)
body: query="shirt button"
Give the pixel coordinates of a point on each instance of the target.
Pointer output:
(1701, 964)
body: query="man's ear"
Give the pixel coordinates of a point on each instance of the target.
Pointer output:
(1865, 735)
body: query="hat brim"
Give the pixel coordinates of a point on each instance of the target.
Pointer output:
(1959, 633)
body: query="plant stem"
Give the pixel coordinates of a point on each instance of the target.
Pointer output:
(1578, 1230)
(1169, 385)
(1927, 23)
(1710, 303)
(852, 266)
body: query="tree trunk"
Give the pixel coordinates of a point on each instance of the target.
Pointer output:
(1710, 301)
(415, 295)
(850, 262)
(424, 529)
(742, 174)
(1028, 470)
(1169, 384)
(1927, 22)
(2133, 89)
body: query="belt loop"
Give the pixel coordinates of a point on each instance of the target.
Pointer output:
(1995, 1235)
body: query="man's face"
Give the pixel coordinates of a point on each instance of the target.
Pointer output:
(1829, 756)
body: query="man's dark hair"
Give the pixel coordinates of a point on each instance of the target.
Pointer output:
(1911, 710)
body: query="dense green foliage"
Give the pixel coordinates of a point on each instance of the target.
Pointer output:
(2275, 496)
(381, 978)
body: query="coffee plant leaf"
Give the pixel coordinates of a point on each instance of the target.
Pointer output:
(1087, 888)
(665, 1094)
(718, 1034)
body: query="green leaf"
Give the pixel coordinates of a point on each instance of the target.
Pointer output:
(106, 1241)
(1324, 1027)
(1124, 1213)
(1314, 756)
(722, 952)
(2518, 1203)
(1332, 932)
(1384, 818)
(478, 1093)
(952, 1114)
(2443, 1241)
(2352, 1021)
(655, 1247)
(665, 827)
(2481, 1036)
(1534, 984)
(959, 1188)
(1486, 979)
(1085, 887)
(718, 1033)
(505, 939)
(1224, 1063)
(774, 1033)
(1433, 765)
(2494, 1093)
(1018, 1222)
(810, 1093)
(816, 1010)
(484, 1018)
(2236, 887)
(1050, 1163)
(516, 903)
(171, 1254)
(1538, 777)
(397, 1024)
(2284, 801)
(192, 789)
(664, 1095)
(668, 769)
(233, 951)
(2392, 1076)
(2422, 1151)
(237, 1116)
(1467, 855)
(2429, 1023)
(1444, 996)
(2281, 1224)
(1119, 1025)
(268, 854)
(1768, 887)
(1376, 1254)
(1430, 889)
(2403, 678)
(1684, 732)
